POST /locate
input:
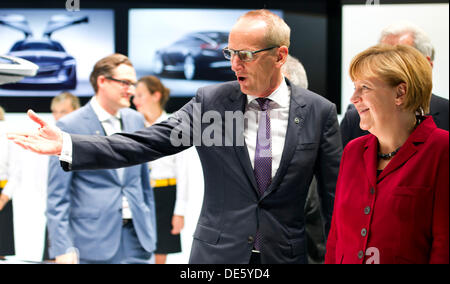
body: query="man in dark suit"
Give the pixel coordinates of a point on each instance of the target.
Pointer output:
(400, 33)
(107, 216)
(260, 140)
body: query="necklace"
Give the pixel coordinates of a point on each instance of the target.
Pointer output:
(388, 155)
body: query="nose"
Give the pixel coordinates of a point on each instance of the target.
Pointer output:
(355, 97)
(236, 63)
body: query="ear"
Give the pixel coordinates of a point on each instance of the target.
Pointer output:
(401, 94)
(157, 96)
(282, 55)
(100, 81)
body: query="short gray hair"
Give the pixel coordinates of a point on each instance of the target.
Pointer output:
(422, 41)
(293, 70)
(278, 33)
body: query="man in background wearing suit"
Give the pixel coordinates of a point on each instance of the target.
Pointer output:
(257, 175)
(400, 33)
(107, 216)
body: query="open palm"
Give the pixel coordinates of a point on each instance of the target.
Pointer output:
(47, 140)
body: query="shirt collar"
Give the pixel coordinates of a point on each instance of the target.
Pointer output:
(162, 117)
(101, 113)
(280, 96)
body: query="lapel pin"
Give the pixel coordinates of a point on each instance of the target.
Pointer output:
(297, 120)
(97, 132)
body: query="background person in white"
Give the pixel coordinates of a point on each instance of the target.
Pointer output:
(169, 175)
(27, 183)
(6, 208)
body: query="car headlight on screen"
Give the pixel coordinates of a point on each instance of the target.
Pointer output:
(69, 62)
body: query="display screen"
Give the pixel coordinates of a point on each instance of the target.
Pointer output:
(183, 47)
(65, 45)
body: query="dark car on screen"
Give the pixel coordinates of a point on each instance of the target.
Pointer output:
(57, 68)
(197, 55)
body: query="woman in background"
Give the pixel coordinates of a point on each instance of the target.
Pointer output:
(392, 194)
(6, 209)
(167, 175)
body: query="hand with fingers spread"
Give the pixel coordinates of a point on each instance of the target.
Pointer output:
(47, 140)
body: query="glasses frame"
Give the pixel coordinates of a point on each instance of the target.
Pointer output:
(239, 52)
(125, 84)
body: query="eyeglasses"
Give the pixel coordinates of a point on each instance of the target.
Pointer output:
(244, 55)
(125, 84)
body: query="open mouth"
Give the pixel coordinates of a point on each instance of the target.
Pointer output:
(241, 78)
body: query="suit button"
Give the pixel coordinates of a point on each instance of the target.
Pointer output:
(367, 210)
(363, 232)
(250, 239)
(372, 190)
(360, 254)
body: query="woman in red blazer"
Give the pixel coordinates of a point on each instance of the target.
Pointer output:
(392, 195)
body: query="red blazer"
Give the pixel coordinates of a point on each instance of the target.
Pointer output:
(399, 216)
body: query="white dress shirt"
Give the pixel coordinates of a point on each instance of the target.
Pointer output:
(111, 124)
(279, 115)
(173, 166)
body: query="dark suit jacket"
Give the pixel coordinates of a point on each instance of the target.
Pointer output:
(232, 209)
(84, 207)
(404, 210)
(350, 123)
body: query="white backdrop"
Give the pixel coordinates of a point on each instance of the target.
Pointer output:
(362, 25)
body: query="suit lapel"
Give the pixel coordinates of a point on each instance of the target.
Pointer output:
(410, 147)
(297, 115)
(92, 123)
(370, 160)
(94, 127)
(237, 102)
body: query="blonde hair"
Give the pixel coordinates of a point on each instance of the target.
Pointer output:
(75, 102)
(395, 65)
(278, 32)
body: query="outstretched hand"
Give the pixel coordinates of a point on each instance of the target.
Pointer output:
(47, 140)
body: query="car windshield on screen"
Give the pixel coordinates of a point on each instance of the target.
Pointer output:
(37, 46)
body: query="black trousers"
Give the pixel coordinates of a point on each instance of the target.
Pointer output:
(7, 230)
